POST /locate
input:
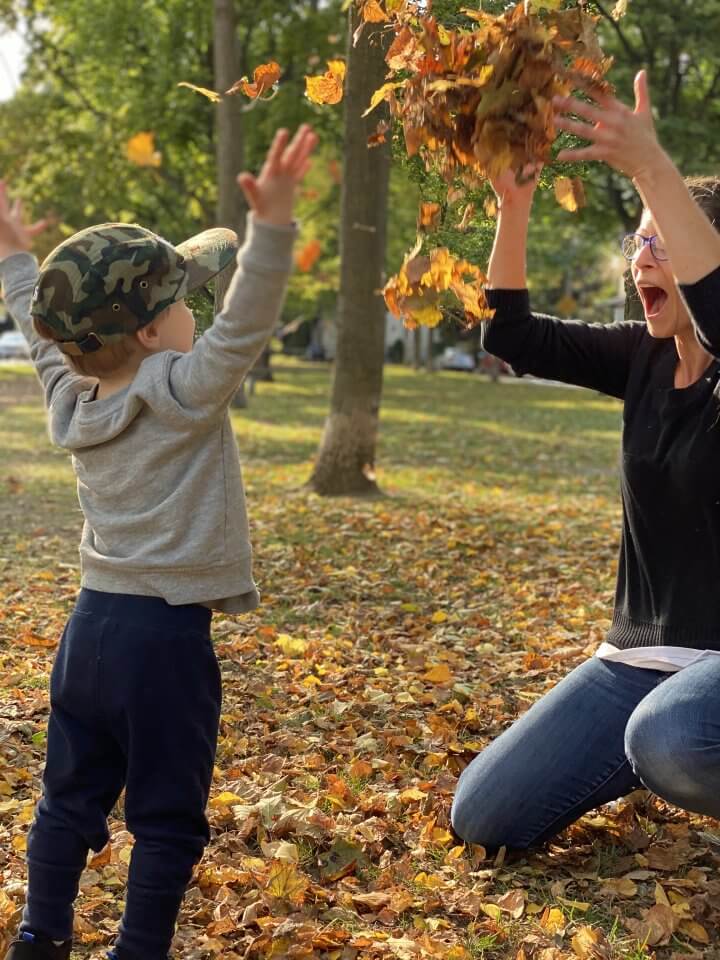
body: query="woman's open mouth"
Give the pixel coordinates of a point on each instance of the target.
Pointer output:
(653, 300)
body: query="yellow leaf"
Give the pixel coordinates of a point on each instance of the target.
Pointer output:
(580, 905)
(439, 616)
(411, 795)
(440, 673)
(225, 799)
(286, 882)
(427, 316)
(327, 89)
(19, 843)
(210, 94)
(570, 194)
(553, 921)
(380, 95)
(290, 646)
(441, 836)
(491, 910)
(141, 151)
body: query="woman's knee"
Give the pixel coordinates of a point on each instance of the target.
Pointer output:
(483, 814)
(670, 756)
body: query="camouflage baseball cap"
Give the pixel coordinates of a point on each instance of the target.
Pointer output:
(108, 281)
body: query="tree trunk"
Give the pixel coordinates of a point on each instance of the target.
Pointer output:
(429, 359)
(230, 153)
(346, 458)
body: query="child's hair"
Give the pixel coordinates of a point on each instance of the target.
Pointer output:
(103, 362)
(705, 192)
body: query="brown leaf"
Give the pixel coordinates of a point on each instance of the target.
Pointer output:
(512, 902)
(590, 943)
(656, 927)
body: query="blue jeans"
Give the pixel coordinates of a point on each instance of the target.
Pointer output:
(603, 731)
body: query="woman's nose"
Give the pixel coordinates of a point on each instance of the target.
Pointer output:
(644, 257)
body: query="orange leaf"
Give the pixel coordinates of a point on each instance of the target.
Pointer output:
(308, 256)
(264, 78)
(440, 673)
(372, 12)
(429, 216)
(35, 640)
(141, 151)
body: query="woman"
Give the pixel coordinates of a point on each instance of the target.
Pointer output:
(645, 711)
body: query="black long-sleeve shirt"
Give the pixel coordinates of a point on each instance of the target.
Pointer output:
(668, 587)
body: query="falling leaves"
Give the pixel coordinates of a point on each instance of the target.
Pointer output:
(308, 256)
(479, 102)
(265, 79)
(415, 293)
(570, 193)
(212, 95)
(329, 88)
(372, 12)
(141, 151)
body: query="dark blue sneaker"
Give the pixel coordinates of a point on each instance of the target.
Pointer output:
(28, 946)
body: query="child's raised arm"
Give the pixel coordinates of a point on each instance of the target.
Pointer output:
(18, 276)
(209, 375)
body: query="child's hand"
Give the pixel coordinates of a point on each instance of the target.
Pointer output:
(271, 196)
(15, 235)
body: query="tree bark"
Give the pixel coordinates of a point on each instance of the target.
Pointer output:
(346, 458)
(230, 152)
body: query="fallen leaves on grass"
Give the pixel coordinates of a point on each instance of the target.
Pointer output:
(396, 638)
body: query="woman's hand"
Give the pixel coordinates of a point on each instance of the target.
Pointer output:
(15, 235)
(622, 137)
(514, 194)
(271, 195)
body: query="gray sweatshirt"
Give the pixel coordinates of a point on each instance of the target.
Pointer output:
(158, 473)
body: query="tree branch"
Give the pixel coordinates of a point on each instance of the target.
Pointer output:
(631, 52)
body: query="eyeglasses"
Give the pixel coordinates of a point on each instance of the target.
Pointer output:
(633, 243)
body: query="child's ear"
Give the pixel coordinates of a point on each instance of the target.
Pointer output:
(148, 336)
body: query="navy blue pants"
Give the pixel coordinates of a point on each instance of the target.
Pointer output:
(135, 702)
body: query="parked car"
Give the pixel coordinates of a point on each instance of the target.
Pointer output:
(13, 346)
(454, 359)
